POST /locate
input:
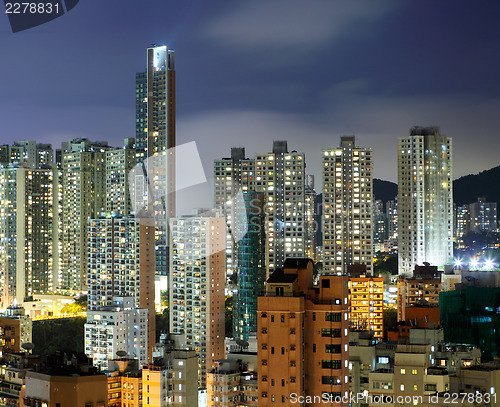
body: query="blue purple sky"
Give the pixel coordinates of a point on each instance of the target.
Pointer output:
(250, 71)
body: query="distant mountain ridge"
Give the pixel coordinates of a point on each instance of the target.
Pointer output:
(384, 190)
(485, 184)
(465, 189)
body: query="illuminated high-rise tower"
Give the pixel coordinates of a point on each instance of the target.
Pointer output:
(347, 207)
(155, 142)
(425, 207)
(29, 228)
(83, 169)
(280, 175)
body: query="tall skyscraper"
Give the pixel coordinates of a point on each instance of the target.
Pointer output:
(232, 175)
(84, 184)
(280, 175)
(197, 283)
(311, 225)
(380, 227)
(155, 142)
(347, 207)
(425, 193)
(251, 265)
(29, 250)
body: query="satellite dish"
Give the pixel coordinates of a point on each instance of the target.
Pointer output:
(28, 346)
(242, 343)
(121, 353)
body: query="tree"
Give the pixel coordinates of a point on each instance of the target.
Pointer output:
(390, 316)
(162, 323)
(51, 335)
(164, 298)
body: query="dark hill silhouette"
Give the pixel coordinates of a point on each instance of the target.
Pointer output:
(384, 190)
(485, 184)
(466, 189)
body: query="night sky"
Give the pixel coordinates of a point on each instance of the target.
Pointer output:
(250, 71)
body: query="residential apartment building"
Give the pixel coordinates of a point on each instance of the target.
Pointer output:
(83, 168)
(347, 207)
(303, 329)
(425, 193)
(64, 382)
(233, 382)
(391, 210)
(54, 391)
(423, 289)
(172, 382)
(119, 164)
(197, 284)
(366, 295)
(462, 223)
(27, 153)
(311, 225)
(124, 383)
(483, 216)
(29, 228)
(121, 264)
(155, 144)
(232, 176)
(410, 380)
(280, 175)
(15, 330)
(120, 327)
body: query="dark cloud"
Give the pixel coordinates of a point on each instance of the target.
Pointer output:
(249, 72)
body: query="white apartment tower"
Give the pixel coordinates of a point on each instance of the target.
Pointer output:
(281, 176)
(425, 205)
(118, 327)
(347, 207)
(197, 285)
(121, 264)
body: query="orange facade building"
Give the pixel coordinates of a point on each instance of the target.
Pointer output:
(303, 338)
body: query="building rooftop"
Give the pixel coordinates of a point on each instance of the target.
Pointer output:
(279, 276)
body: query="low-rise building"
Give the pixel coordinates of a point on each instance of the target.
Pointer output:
(413, 377)
(233, 382)
(171, 381)
(421, 289)
(15, 330)
(62, 381)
